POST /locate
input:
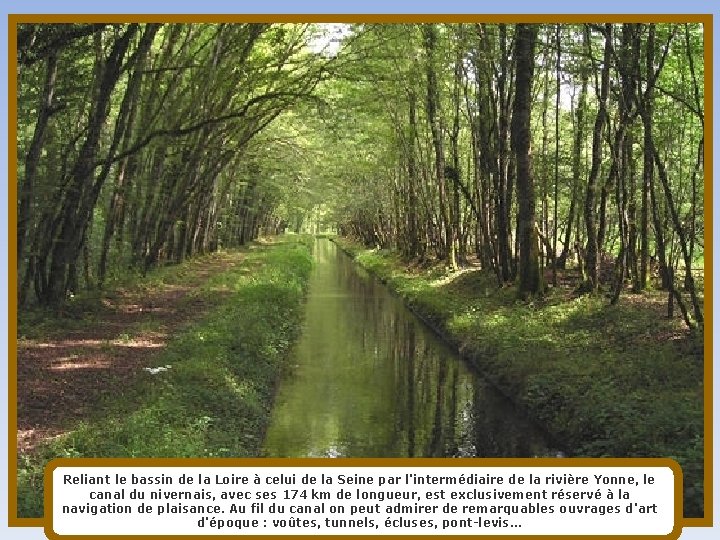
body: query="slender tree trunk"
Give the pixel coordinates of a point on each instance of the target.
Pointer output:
(592, 248)
(124, 171)
(456, 217)
(680, 234)
(503, 188)
(32, 159)
(648, 165)
(545, 254)
(628, 57)
(557, 155)
(413, 249)
(82, 191)
(665, 267)
(576, 163)
(447, 231)
(530, 279)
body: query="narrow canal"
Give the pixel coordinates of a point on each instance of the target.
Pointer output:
(368, 379)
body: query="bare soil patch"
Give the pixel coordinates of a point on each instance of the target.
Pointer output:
(62, 377)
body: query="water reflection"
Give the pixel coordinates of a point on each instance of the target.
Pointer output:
(370, 380)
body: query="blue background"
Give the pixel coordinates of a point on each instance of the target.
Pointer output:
(317, 6)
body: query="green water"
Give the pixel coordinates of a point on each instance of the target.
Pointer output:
(369, 380)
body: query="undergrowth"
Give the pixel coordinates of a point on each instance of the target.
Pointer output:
(211, 391)
(620, 381)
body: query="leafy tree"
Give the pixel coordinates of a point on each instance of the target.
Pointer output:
(140, 144)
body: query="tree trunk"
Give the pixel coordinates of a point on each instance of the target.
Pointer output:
(82, 191)
(592, 248)
(576, 163)
(447, 233)
(502, 184)
(648, 165)
(557, 156)
(530, 280)
(27, 187)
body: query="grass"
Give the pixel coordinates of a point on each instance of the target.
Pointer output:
(215, 396)
(605, 380)
(37, 322)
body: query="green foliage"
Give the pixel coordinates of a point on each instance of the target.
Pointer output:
(214, 398)
(605, 381)
(238, 130)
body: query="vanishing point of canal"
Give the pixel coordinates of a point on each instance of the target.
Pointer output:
(368, 379)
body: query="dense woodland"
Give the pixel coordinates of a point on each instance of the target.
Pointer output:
(540, 152)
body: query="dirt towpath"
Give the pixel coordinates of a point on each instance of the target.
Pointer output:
(62, 374)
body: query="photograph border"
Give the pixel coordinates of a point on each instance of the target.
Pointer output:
(705, 18)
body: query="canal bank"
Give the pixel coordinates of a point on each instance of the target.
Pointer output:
(209, 391)
(605, 381)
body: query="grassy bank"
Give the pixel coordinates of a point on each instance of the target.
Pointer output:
(209, 393)
(605, 380)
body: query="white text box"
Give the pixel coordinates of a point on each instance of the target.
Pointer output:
(363, 500)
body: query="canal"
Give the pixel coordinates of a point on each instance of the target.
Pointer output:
(368, 379)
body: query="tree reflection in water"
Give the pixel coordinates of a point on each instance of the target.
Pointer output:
(372, 381)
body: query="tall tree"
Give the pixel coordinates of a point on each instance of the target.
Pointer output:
(529, 277)
(592, 248)
(434, 116)
(83, 188)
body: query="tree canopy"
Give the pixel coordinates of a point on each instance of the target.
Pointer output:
(523, 149)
